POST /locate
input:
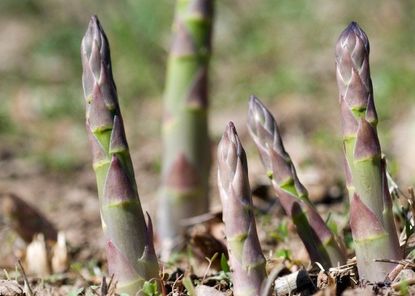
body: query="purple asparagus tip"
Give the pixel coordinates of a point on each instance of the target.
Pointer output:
(264, 131)
(352, 36)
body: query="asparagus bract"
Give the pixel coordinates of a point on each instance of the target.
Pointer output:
(186, 145)
(130, 251)
(245, 255)
(372, 223)
(320, 242)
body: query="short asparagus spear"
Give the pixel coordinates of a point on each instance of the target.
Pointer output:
(321, 244)
(372, 223)
(245, 255)
(186, 144)
(130, 251)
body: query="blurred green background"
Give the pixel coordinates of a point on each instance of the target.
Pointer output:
(280, 50)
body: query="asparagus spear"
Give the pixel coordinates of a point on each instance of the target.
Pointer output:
(372, 223)
(319, 241)
(186, 145)
(130, 251)
(245, 255)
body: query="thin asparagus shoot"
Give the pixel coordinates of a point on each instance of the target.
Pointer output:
(322, 245)
(245, 255)
(186, 144)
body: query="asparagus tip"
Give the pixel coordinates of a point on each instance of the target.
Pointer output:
(94, 19)
(231, 129)
(232, 135)
(353, 34)
(96, 61)
(253, 100)
(92, 33)
(256, 111)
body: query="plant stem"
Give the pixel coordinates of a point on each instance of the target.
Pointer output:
(129, 239)
(322, 245)
(245, 254)
(186, 144)
(371, 220)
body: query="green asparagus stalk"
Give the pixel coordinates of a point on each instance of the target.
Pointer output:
(186, 144)
(245, 255)
(129, 243)
(321, 244)
(371, 220)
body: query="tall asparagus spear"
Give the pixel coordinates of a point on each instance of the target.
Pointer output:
(319, 241)
(371, 220)
(186, 145)
(130, 251)
(245, 255)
